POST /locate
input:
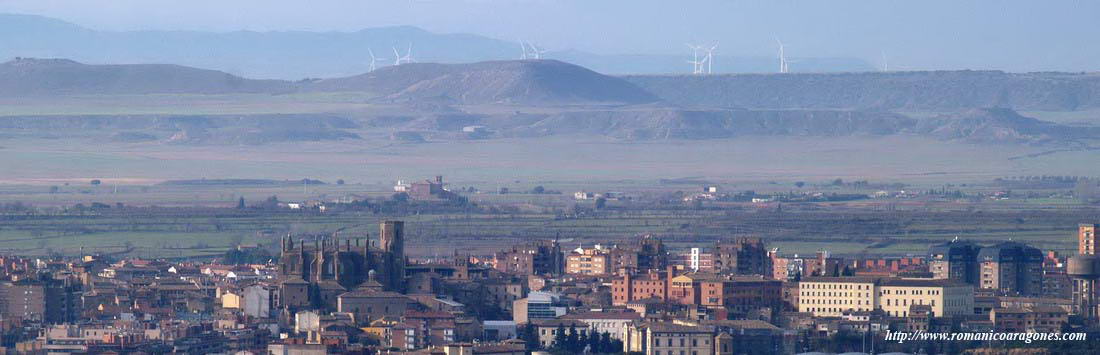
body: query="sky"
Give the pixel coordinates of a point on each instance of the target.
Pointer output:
(1013, 35)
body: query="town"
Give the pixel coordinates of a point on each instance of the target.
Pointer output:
(326, 294)
(536, 177)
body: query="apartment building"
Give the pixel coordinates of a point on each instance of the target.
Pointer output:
(831, 296)
(588, 262)
(945, 297)
(669, 339)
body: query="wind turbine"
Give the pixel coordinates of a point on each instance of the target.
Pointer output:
(409, 53)
(710, 58)
(783, 63)
(407, 58)
(885, 63)
(536, 51)
(696, 64)
(373, 60)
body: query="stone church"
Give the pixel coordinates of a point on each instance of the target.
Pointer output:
(313, 276)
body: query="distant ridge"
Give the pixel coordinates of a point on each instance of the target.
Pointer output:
(304, 54)
(909, 91)
(42, 77)
(506, 82)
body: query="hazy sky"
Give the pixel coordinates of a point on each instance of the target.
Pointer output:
(1016, 35)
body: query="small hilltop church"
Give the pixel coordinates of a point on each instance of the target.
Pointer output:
(314, 276)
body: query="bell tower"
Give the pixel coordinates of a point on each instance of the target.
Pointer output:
(391, 238)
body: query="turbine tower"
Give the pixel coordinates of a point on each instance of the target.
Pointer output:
(885, 63)
(696, 64)
(523, 47)
(536, 52)
(373, 60)
(783, 63)
(407, 58)
(710, 58)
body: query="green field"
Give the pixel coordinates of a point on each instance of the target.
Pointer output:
(577, 160)
(843, 229)
(52, 172)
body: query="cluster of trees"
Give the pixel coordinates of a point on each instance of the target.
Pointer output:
(540, 190)
(97, 206)
(401, 203)
(16, 206)
(1062, 179)
(236, 256)
(1087, 191)
(571, 341)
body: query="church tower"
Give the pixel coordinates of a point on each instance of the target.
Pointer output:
(391, 238)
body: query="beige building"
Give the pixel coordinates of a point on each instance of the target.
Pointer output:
(588, 262)
(367, 306)
(547, 329)
(610, 323)
(946, 297)
(669, 339)
(830, 296)
(231, 300)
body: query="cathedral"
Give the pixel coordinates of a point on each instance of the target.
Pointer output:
(314, 276)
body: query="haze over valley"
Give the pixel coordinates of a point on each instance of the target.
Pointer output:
(437, 114)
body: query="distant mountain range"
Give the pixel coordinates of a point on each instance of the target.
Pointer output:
(551, 82)
(45, 77)
(548, 97)
(531, 82)
(528, 82)
(910, 91)
(300, 54)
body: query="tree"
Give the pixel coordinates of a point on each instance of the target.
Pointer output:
(572, 340)
(594, 342)
(610, 345)
(96, 182)
(54, 189)
(800, 184)
(601, 203)
(538, 189)
(560, 339)
(240, 203)
(271, 202)
(530, 336)
(1085, 190)
(340, 181)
